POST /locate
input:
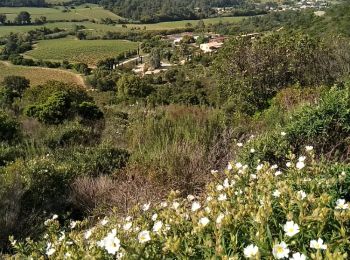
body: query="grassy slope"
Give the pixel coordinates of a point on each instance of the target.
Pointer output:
(79, 13)
(80, 51)
(38, 75)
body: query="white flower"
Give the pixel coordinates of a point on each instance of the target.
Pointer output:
(291, 228)
(209, 198)
(157, 226)
(127, 226)
(298, 256)
(280, 250)
(277, 173)
(274, 167)
(203, 221)
(214, 171)
(226, 183)
(252, 150)
(207, 209)
(67, 255)
(341, 204)
(288, 164)
(73, 224)
(219, 187)
(54, 216)
(229, 166)
(47, 222)
(146, 206)
(154, 216)
(195, 206)
(301, 195)
(318, 244)
(300, 165)
(309, 148)
(253, 176)
(190, 197)
(144, 236)
(276, 193)
(250, 251)
(128, 218)
(176, 205)
(239, 144)
(104, 221)
(50, 250)
(164, 204)
(62, 237)
(222, 197)
(259, 167)
(88, 233)
(283, 133)
(301, 158)
(220, 218)
(111, 243)
(238, 165)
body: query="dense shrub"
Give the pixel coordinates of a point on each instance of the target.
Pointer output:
(324, 125)
(56, 102)
(252, 71)
(244, 213)
(9, 127)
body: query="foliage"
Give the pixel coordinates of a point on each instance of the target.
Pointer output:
(251, 71)
(130, 87)
(56, 102)
(324, 124)
(9, 127)
(264, 207)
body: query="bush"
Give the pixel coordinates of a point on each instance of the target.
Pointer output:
(9, 128)
(325, 125)
(89, 111)
(242, 208)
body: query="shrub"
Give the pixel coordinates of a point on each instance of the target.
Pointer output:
(9, 128)
(244, 208)
(89, 111)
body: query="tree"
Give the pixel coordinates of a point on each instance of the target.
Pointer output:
(23, 18)
(14, 87)
(155, 58)
(3, 18)
(81, 35)
(131, 87)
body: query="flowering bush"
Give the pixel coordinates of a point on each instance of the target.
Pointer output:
(295, 211)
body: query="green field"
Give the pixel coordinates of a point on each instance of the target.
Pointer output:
(100, 29)
(52, 14)
(73, 50)
(38, 75)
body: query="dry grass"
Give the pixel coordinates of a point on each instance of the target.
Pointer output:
(38, 75)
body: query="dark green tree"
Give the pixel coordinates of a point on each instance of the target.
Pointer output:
(23, 18)
(3, 18)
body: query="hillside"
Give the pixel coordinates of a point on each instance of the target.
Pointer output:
(219, 138)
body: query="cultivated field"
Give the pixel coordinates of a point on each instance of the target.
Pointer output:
(52, 14)
(38, 75)
(86, 51)
(100, 29)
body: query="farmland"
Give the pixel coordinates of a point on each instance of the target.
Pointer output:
(38, 75)
(80, 51)
(91, 12)
(100, 29)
